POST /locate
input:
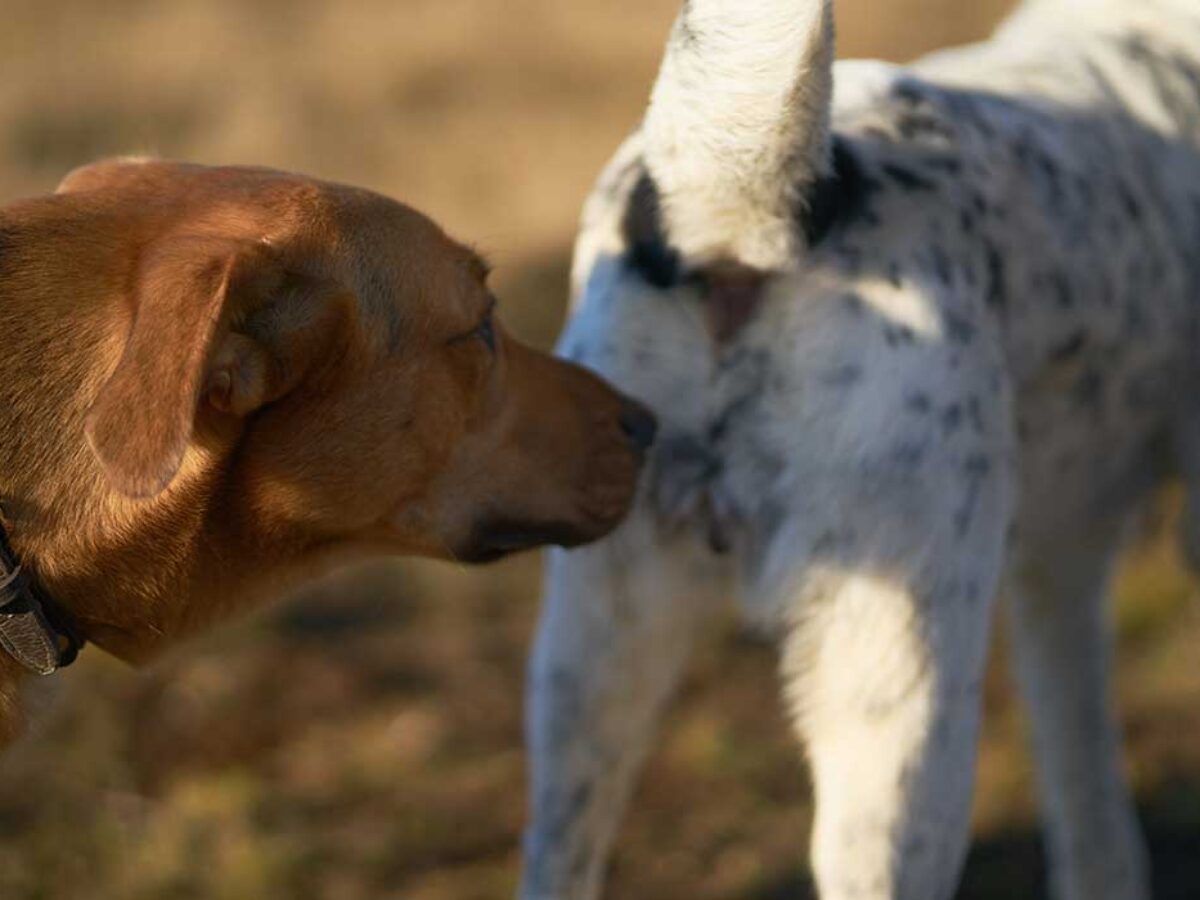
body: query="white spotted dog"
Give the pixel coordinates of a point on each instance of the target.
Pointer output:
(918, 337)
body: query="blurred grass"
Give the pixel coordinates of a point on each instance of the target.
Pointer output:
(364, 740)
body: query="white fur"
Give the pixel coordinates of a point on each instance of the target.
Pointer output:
(965, 389)
(732, 128)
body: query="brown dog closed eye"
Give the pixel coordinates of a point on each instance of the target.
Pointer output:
(216, 381)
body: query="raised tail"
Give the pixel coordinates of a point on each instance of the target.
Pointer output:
(738, 127)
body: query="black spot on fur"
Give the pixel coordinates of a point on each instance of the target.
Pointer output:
(649, 252)
(997, 294)
(959, 329)
(908, 455)
(907, 178)
(950, 165)
(975, 415)
(919, 403)
(750, 394)
(1131, 204)
(850, 259)
(952, 417)
(914, 126)
(898, 335)
(1060, 288)
(942, 269)
(688, 452)
(686, 34)
(744, 358)
(921, 114)
(828, 543)
(842, 377)
(854, 304)
(1175, 79)
(839, 198)
(976, 469)
(909, 93)
(1069, 348)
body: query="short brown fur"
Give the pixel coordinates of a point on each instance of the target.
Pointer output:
(217, 382)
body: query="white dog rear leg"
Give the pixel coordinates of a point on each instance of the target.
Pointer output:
(884, 683)
(615, 631)
(1062, 647)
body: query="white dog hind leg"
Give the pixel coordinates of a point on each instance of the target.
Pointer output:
(1062, 648)
(884, 682)
(616, 627)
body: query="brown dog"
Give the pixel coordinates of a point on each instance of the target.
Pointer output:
(214, 382)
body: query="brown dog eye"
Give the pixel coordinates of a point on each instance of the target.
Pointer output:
(487, 332)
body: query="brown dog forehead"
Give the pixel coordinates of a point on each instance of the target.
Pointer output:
(359, 225)
(168, 179)
(283, 206)
(302, 201)
(402, 265)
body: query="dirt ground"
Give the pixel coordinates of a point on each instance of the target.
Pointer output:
(364, 740)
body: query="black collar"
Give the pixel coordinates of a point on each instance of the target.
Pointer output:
(34, 630)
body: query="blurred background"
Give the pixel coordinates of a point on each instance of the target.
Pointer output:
(364, 740)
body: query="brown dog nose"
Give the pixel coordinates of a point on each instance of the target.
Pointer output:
(639, 425)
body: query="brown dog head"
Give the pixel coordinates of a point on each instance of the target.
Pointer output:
(295, 368)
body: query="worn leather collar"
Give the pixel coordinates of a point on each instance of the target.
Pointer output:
(34, 630)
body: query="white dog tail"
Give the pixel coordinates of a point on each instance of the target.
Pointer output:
(738, 127)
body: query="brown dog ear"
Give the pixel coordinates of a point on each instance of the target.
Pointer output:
(278, 344)
(142, 421)
(100, 174)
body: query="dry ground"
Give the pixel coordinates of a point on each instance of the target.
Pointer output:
(364, 741)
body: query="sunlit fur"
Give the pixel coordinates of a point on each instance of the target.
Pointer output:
(959, 384)
(218, 382)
